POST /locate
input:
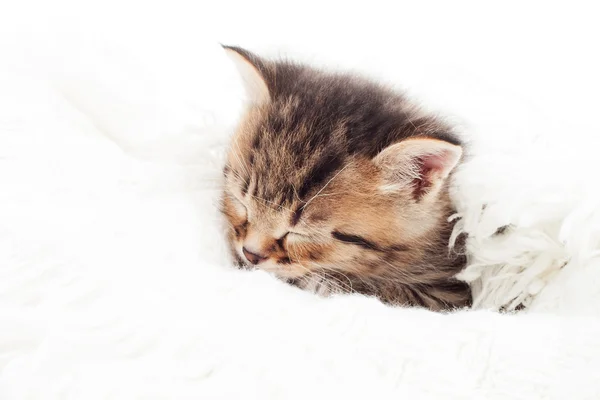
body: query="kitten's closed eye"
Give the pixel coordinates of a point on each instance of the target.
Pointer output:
(354, 239)
(298, 237)
(241, 228)
(296, 216)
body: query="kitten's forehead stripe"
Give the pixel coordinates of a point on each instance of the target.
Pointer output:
(296, 216)
(316, 176)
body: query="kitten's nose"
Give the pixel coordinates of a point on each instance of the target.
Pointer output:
(253, 257)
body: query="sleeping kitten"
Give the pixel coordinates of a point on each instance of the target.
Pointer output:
(335, 183)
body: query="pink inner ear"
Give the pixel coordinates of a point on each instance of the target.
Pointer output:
(436, 162)
(427, 164)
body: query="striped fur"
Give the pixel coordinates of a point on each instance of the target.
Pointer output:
(304, 190)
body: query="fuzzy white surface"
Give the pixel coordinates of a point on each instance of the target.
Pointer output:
(114, 282)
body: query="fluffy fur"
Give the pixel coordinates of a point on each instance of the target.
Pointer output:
(332, 180)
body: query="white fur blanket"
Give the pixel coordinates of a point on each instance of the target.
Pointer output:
(114, 281)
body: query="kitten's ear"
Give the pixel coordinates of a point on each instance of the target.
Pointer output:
(419, 164)
(251, 69)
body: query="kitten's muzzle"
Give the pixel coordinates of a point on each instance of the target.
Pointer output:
(253, 258)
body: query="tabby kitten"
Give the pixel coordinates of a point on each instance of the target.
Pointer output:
(335, 183)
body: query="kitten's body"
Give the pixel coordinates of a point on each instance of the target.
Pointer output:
(333, 180)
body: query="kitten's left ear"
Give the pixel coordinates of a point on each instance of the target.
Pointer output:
(418, 164)
(251, 69)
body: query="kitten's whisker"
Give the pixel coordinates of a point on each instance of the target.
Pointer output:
(325, 195)
(240, 162)
(345, 288)
(238, 176)
(326, 184)
(336, 285)
(264, 201)
(238, 154)
(329, 279)
(357, 276)
(268, 202)
(311, 282)
(331, 284)
(413, 278)
(296, 193)
(311, 274)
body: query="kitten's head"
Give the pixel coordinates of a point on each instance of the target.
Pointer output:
(330, 174)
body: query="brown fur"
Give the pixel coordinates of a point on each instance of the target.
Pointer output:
(309, 187)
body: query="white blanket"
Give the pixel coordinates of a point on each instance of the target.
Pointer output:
(114, 280)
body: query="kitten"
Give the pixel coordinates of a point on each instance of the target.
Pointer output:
(335, 183)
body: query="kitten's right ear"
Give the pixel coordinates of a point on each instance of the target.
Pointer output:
(419, 164)
(251, 69)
